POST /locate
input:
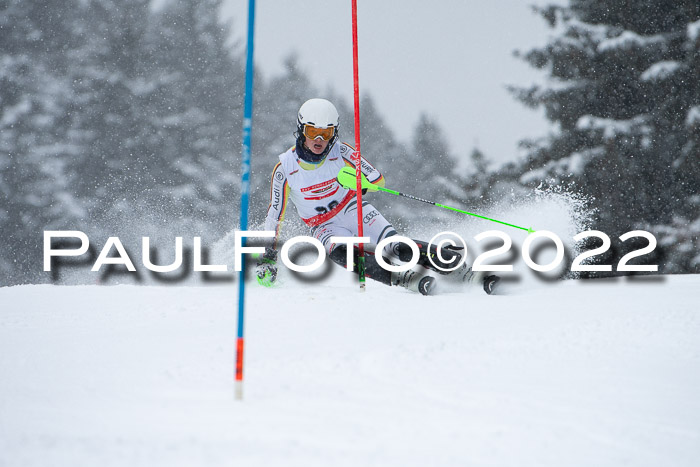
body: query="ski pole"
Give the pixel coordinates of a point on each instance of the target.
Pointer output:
(346, 177)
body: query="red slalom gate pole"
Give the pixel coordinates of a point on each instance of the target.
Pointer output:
(358, 155)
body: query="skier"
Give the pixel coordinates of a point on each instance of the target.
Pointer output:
(307, 174)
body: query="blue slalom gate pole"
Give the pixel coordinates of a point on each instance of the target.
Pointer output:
(245, 192)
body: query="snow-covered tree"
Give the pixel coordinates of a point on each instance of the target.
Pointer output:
(114, 117)
(35, 144)
(623, 92)
(431, 165)
(200, 114)
(476, 179)
(276, 103)
(159, 107)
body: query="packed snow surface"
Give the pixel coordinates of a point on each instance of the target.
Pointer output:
(567, 373)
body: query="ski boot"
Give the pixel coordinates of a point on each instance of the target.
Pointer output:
(465, 275)
(413, 280)
(490, 283)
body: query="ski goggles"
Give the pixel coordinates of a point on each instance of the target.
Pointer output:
(325, 134)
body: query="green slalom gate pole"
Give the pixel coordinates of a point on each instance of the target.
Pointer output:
(346, 177)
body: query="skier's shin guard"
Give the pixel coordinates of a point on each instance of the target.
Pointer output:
(428, 256)
(372, 269)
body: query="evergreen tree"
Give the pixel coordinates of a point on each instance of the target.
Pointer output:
(34, 132)
(111, 84)
(160, 102)
(200, 115)
(431, 165)
(476, 179)
(277, 102)
(378, 143)
(623, 88)
(478, 162)
(115, 119)
(381, 148)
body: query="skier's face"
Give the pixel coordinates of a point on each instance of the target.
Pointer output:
(317, 146)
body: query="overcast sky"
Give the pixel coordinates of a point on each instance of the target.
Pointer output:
(449, 58)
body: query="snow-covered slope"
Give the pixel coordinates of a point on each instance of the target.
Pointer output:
(573, 373)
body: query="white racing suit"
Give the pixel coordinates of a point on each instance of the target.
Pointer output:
(330, 209)
(323, 204)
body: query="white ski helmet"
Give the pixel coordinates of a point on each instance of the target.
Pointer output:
(318, 114)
